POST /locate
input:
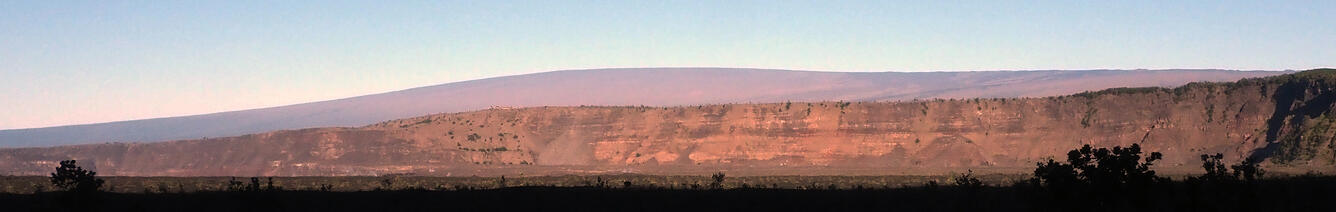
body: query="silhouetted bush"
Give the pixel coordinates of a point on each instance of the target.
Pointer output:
(254, 184)
(235, 185)
(1249, 170)
(1100, 167)
(968, 181)
(1090, 176)
(1215, 170)
(1246, 171)
(599, 182)
(73, 178)
(387, 183)
(718, 180)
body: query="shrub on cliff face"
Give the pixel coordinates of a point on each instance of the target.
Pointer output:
(73, 178)
(1308, 143)
(1089, 117)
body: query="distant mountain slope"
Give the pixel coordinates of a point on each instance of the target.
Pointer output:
(641, 86)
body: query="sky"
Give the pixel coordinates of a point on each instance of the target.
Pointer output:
(79, 62)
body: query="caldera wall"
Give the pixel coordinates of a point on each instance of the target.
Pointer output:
(1236, 119)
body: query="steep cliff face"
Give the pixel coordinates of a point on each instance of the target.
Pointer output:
(1302, 124)
(636, 86)
(1283, 118)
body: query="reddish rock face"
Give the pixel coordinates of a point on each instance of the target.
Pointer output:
(1241, 119)
(637, 86)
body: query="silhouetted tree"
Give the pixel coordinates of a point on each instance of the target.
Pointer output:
(1248, 170)
(968, 181)
(599, 182)
(1100, 167)
(270, 185)
(1106, 176)
(1219, 184)
(73, 178)
(386, 183)
(718, 180)
(1215, 170)
(254, 184)
(967, 187)
(235, 185)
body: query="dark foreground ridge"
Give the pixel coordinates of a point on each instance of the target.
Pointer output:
(1305, 193)
(1090, 179)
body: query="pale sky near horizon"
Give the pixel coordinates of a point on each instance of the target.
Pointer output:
(84, 62)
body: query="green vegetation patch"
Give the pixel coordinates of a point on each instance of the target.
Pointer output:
(1121, 91)
(1315, 138)
(1089, 117)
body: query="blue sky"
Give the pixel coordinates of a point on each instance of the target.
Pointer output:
(86, 62)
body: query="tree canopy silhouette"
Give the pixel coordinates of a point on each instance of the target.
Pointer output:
(73, 178)
(1247, 170)
(718, 180)
(1090, 176)
(1100, 167)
